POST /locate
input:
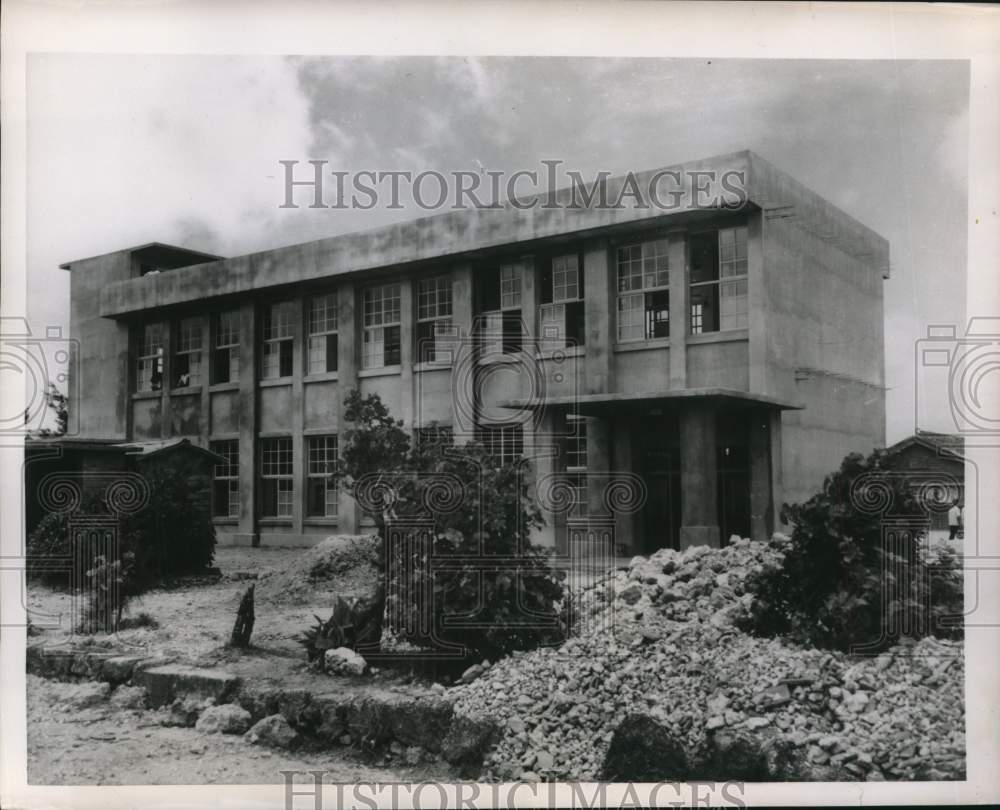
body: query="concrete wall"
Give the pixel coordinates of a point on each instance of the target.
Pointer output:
(817, 328)
(98, 380)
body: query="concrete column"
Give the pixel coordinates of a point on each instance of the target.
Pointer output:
(463, 365)
(699, 479)
(298, 415)
(553, 533)
(777, 476)
(600, 323)
(599, 466)
(166, 417)
(757, 301)
(761, 505)
(248, 421)
(205, 422)
(408, 342)
(622, 461)
(679, 295)
(347, 380)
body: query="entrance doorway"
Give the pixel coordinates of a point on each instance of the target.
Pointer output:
(733, 466)
(659, 446)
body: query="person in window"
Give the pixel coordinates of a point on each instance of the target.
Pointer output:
(954, 520)
(184, 380)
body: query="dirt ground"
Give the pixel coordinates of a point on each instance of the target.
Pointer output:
(108, 746)
(194, 620)
(105, 746)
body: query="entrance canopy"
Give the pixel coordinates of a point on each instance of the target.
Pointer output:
(601, 404)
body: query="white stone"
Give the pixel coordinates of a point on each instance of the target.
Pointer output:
(343, 661)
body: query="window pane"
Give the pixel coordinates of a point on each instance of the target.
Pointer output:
(704, 257)
(733, 301)
(279, 320)
(630, 325)
(565, 278)
(434, 297)
(510, 286)
(227, 329)
(657, 305)
(322, 314)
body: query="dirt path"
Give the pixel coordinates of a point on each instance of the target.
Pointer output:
(104, 746)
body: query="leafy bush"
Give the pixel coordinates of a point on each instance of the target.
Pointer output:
(841, 584)
(474, 509)
(351, 624)
(174, 535)
(171, 536)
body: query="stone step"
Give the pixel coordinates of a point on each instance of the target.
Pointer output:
(166, 683)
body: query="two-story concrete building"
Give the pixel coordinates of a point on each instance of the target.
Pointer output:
(718, 359)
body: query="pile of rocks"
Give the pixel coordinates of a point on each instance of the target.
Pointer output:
(658, 640)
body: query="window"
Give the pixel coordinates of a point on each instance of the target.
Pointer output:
(186, 366)
(149, 361)
(276, 487)
(380, 320)
(277, 333)
(434, 436)
(719, 280)
(321, 479)
(505, 443)
(226, 347)
(226, 479)
(322, 333)
(643, 297)
(576, 465)
(499, 308)
(561, 314)
(434, 327)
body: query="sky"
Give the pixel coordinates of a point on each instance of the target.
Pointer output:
(124, 150)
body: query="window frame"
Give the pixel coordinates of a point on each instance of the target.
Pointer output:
(231, 319)
(322, 335)
(511, 442)
(715, 286)
(280, 345)
(501, 330)
(154, 358)
(281, 472)
(576, 474)
(375, 330)
(645, 292)
(559, 309)
(191, 355)
(229, 449)
(435, 325)
(327, 479)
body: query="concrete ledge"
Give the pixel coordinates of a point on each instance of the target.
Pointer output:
(165, 683)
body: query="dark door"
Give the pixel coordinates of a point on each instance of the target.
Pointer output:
(662, 473)
(734, 491)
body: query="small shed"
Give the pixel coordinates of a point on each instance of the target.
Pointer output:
(933, 458)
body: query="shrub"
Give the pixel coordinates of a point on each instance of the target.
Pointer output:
(474, 509)
(107, 594)
(830, 590)
(172, 536)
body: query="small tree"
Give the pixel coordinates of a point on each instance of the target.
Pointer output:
(830, 587)
(477, 509)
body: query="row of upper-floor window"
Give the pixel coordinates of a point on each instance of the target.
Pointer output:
(717, 281)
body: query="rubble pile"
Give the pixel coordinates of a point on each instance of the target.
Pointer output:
(658, 641)
(341, 565)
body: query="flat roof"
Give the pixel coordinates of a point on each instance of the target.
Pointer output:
(155, 248)
(598, 402)
(462, 235)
